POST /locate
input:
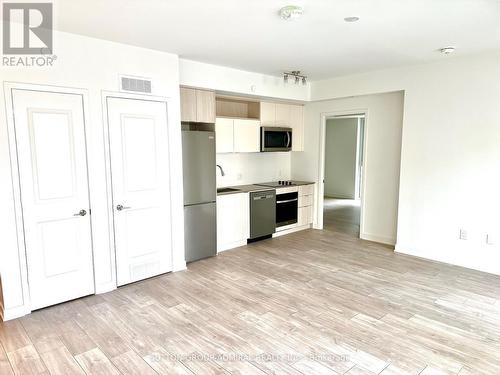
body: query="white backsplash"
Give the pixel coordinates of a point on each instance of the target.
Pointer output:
(251, 168)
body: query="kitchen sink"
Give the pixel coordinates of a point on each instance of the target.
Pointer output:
(226, 190)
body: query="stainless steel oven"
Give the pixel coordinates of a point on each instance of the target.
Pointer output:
(275, 139)
(286, 208)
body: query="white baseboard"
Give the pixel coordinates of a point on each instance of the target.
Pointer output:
(231, 245)
(376, 238)
(105, 288)
(339, 196)
(179, 266)
(291, 230)
(15, 313)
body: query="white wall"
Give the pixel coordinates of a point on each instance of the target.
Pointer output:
(450, 155)
(197, 74)
(250, 168)
(382, 159)
(93, 65)
(341, 157)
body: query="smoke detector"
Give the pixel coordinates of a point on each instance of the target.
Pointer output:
(291, 12)
(447, 50)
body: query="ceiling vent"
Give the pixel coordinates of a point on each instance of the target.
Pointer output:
(133, 84)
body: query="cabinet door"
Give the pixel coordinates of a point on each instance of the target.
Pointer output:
(205, 106)
(304, 216)
(297, 124)
(283, 115)
(188, 104)
(224, 140)
(267, 114)
(246, 136)
(233, 226)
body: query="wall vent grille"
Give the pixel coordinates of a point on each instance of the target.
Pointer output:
(135, 85)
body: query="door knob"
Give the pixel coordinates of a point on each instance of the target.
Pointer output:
(81, 213)
(120, 207)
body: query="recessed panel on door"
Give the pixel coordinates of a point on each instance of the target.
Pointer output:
(138, 132)
(50, 140)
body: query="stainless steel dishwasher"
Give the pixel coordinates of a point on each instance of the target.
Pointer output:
(262, 214)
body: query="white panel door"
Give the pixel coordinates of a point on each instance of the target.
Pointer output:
(246, 135)
(50, 134)
(224, 141)
(139, 150)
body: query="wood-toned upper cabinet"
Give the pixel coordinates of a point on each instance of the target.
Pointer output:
(188, 104)
(205, 106)
(197, 105)
(267, 113)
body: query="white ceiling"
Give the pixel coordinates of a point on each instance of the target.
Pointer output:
(249, 35)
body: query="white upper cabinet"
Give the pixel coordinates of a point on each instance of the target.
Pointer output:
(286, 116)
(246, 136)
(267, 114)
(297, 124)
(237, 135)
(224, 135)
(282, 115)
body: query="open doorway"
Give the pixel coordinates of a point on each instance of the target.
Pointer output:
(343, 173)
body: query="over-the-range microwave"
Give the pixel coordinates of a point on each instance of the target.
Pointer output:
(275, 139)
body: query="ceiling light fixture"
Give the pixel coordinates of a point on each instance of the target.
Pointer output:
(295, 74)
(447, 50)
(291, 12)
(351, 19)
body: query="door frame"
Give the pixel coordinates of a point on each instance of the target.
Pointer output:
(25, 307)
(321, 171)
(105, 94)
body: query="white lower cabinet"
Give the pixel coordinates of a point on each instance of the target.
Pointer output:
(233, 220)
(304, 216)
(306, 204)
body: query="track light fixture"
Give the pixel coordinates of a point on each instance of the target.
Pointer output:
(295, 74)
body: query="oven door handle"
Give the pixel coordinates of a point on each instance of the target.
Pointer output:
(288, 201)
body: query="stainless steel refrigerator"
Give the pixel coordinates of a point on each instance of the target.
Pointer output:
(200, 192)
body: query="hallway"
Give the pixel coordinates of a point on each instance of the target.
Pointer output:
(341, 215)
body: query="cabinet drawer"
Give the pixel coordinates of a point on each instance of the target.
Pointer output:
(306, 189)
(305, 200)
(284, 190)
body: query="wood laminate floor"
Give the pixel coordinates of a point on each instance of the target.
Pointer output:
(341, 215)
(312, 302)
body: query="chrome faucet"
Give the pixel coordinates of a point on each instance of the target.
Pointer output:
(221, 170)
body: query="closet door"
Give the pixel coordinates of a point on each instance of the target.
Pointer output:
(139, 150)
(52, 156)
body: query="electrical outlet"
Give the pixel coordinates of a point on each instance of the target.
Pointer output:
(463, 234)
